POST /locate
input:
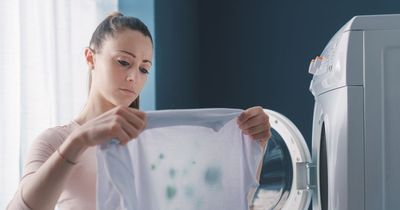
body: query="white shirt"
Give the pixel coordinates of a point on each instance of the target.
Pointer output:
(184, 160)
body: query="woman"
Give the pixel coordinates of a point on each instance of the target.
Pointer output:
(61, 165)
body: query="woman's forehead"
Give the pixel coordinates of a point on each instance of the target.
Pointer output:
(130, 41)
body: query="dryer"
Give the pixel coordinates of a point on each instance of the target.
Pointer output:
(354, 162)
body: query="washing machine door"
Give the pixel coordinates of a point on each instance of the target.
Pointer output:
(285, 180)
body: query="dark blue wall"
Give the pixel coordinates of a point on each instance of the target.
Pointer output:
(237, 53)
(177, 47)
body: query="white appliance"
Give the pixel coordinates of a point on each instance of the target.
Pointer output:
(355, 158)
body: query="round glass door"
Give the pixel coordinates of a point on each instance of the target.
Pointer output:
(279, 175)
(276, 175)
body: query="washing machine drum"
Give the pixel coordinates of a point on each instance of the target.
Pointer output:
(283, 175)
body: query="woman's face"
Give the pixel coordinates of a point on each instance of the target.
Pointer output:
(121, 67)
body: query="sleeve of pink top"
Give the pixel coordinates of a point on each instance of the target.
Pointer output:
(41, 149)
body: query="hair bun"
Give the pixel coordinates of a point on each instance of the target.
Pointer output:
(115, 14)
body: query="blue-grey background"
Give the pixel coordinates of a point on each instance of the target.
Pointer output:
(242, 53)
(237, 53)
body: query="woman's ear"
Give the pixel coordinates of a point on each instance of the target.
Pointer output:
(89, 56)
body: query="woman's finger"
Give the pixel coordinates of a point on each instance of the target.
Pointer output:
(122, 136)
(264, 135)
(249, 113)
(114, 131)
(135, 117)
(129, 129)
(260, 119)
(256, 129)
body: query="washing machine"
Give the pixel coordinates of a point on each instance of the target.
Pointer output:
(354, 162)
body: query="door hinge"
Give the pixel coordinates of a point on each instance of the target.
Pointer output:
(306, 176)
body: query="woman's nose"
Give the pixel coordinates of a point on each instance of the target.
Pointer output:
(131, 75)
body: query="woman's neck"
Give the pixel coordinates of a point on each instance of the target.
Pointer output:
(95, 106)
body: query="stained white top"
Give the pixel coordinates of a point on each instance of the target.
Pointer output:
(185, 159)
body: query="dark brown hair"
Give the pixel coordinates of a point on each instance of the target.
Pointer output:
(114, 23)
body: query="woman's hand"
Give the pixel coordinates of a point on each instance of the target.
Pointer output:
(255, 123)
(122, 123)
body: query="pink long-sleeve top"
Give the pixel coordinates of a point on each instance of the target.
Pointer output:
(80, 189)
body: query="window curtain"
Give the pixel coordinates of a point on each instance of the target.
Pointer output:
(43, 74)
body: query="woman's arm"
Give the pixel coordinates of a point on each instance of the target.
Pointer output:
(42, 188)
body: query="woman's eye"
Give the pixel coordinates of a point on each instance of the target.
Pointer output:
(143, 70)
(123, 63)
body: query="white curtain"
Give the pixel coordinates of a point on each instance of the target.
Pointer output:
(43, 76)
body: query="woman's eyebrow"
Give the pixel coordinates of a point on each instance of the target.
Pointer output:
(133, 55)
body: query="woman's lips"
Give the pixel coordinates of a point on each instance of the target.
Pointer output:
(128, 91)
